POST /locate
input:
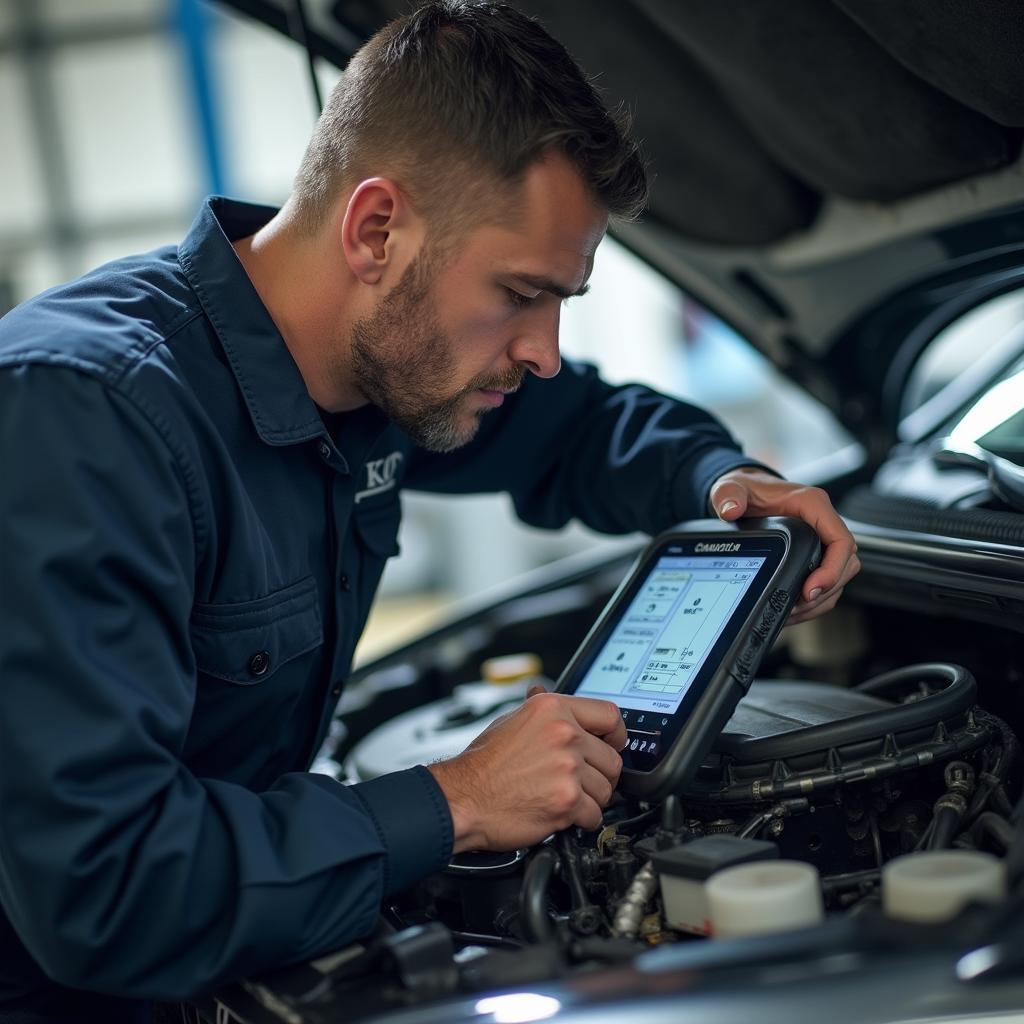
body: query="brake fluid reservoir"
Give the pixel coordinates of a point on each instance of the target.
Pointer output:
(937, 884)
(683, 872)
(446, 727)
(770, 896)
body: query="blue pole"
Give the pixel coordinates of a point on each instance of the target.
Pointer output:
(194, 24)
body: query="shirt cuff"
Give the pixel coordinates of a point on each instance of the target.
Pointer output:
(412, 818)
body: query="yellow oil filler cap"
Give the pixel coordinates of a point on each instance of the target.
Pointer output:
(511, 668)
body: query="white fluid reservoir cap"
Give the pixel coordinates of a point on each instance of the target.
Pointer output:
(937, 884)
(769, 896)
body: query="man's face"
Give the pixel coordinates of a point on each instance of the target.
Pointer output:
(463, 328)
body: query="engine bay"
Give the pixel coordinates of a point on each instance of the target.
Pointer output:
(843, 779)
(873, 737)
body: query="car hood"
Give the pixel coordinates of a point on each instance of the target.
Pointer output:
(837, 180)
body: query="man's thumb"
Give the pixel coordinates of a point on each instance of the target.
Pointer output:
(730, 503)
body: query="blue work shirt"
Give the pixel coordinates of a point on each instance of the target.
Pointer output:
(189, 552)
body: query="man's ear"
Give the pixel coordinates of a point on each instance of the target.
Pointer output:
(379, 230)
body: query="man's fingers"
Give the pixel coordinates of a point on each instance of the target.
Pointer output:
(758, 493)
(587, 813)
(617, 738)
(805, 612)
(813, 506)
(818, 603)
(829, 597)
(837, 566)
(599, 754)
(767, 495)
(596, 785)
(821, 597)
(838, 563)
(599, 718)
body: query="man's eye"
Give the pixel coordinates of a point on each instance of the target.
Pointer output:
(518, 299)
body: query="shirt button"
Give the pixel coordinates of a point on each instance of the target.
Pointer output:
(336, 690)
(343, 582)
(325, 450)
(259, 663)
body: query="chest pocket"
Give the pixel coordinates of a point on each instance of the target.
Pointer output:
(249, 642)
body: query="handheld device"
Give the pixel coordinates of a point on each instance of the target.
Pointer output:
(679, 642)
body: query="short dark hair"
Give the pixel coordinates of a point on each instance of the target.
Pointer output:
(455, 97)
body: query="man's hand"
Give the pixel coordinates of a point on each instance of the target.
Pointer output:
(752, 492)
(551, 763)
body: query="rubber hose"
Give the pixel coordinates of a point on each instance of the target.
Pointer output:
(533, 899)
(946, 820)
(932, 671)
(995, 827)
(898, 513)
(981, 796)
(571, 867)
(1010, 744)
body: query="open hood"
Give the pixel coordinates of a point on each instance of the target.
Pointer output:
(837, 179)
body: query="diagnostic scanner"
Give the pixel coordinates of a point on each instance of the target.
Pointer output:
(681, 639)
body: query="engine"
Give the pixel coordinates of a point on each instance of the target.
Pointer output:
(844, 780)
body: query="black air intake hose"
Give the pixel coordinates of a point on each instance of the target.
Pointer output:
(533, 898)
(898, 513)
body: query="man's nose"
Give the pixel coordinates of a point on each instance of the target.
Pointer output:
(536, 345)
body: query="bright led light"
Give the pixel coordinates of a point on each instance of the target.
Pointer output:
(977, 963)
(519, 1007)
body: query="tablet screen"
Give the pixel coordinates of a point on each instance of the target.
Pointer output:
(660, 643)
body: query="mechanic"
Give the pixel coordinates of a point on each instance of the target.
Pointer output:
(203, 449)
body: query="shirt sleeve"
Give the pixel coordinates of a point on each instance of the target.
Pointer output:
(617, 458)
(120, 871)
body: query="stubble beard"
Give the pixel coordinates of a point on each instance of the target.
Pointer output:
(404, 363)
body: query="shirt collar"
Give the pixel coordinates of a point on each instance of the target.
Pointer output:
(274, 391)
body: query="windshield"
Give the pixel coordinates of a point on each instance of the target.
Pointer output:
(996, 421)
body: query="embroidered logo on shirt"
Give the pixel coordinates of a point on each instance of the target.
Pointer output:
(381, 475)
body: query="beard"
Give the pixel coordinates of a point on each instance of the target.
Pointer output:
(404, 363)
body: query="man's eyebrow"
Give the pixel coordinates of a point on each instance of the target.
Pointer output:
(546, 285)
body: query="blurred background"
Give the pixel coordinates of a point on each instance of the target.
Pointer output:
(118, 116)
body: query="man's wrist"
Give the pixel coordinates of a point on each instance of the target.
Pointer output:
(467, 831)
